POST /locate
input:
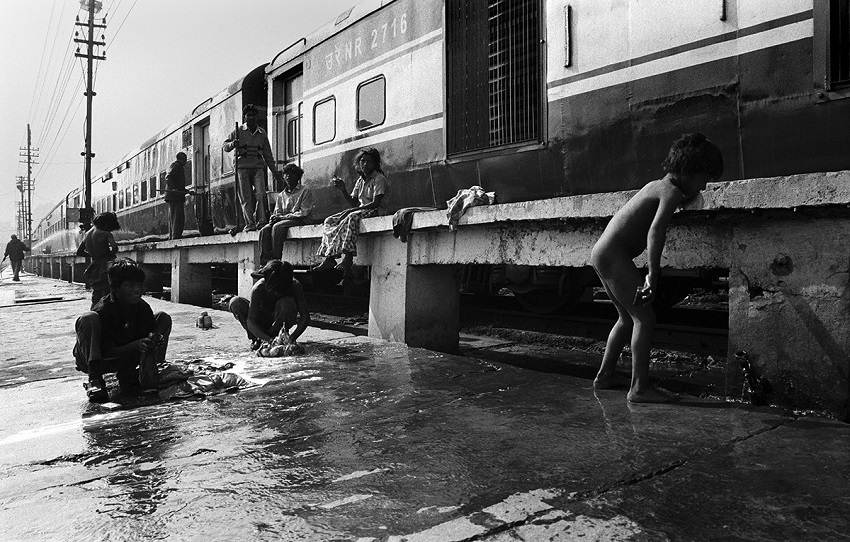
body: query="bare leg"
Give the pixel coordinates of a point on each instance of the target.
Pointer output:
(346, 264)
(617, 340)
(621, 278)
(326, 265)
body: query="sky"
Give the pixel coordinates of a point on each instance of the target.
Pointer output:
(164, 57)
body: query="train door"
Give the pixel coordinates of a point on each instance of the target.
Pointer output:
(202, 174)
(287, 116)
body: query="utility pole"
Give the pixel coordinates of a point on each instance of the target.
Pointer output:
(20, 184)
(93, 6)
(30, 154)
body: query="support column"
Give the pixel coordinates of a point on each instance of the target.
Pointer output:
(190, 283)
(55, 268)
(153, 281)
(417, 305)
(248, 255)
(78, 269)
(789, 307)
(42, 266)
(65, 268)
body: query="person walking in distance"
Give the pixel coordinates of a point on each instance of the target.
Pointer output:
(175, 196)
(15, 249)
(254, 155)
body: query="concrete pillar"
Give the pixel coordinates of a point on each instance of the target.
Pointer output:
(248, 256)
(153, 280)
(190, 283)
(55, 268)
(78, 269)
(65, 265)
(789, 307)
(417, 305)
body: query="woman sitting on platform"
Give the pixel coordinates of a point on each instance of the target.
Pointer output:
(340, 230)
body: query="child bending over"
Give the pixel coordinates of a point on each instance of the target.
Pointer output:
(641, 224)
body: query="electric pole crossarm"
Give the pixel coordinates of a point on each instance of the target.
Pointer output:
(76, 40)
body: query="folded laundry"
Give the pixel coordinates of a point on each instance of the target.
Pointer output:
(464, 199)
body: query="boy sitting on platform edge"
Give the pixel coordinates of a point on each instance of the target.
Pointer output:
(641, 224)
(121, 334)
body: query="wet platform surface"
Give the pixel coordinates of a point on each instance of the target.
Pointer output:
(369, 440)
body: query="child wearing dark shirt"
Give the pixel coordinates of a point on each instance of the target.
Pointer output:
(121, 334)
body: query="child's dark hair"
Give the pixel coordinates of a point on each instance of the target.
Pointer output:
(293, 169)
(124, 270)
(368, 151)
(278, 276)
(106, 221)
(694, 153)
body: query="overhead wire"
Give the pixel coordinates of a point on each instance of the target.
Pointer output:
(53, 104)
(64, 65)
(41, 62)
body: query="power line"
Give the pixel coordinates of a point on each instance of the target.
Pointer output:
(50, 57)
(121, 24)
(41, 62)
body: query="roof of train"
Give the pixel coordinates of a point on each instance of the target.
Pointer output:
(199, 109)
(342, 21)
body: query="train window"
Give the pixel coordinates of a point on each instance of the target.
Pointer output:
(113, 203)
(121, 199)
(162, 183)
(128, 197)
(494, 93)
(324, 120)
(135, 194)
(293, 137)
(144, 191)
(152, 185)
(371, 103)
(839, 47)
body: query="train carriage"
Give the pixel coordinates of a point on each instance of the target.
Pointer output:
(529, 98)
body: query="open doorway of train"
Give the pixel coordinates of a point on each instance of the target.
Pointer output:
(202, 176)
(287, 105)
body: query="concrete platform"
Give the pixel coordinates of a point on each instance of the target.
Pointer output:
(364, 439)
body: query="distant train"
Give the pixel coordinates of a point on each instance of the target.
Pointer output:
(530, 98)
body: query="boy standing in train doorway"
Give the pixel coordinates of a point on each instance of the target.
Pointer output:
(253, 155)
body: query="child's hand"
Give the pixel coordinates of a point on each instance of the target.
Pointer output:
(646, 293)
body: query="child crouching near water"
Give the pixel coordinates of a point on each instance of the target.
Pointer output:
(641, 224)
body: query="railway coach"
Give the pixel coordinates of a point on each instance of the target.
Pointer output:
(529, 98)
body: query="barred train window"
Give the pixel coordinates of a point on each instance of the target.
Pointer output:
(371, 103)
(839, 47)
(494, 73)
(324, 121)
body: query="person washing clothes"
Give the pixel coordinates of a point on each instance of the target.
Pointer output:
(277, 303)
(121, 334)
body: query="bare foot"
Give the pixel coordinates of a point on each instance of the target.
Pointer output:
(609, 381)
(651, 395)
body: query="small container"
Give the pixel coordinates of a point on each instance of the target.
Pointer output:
(204, 321)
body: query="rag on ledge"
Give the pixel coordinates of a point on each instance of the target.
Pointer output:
(464, 199)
